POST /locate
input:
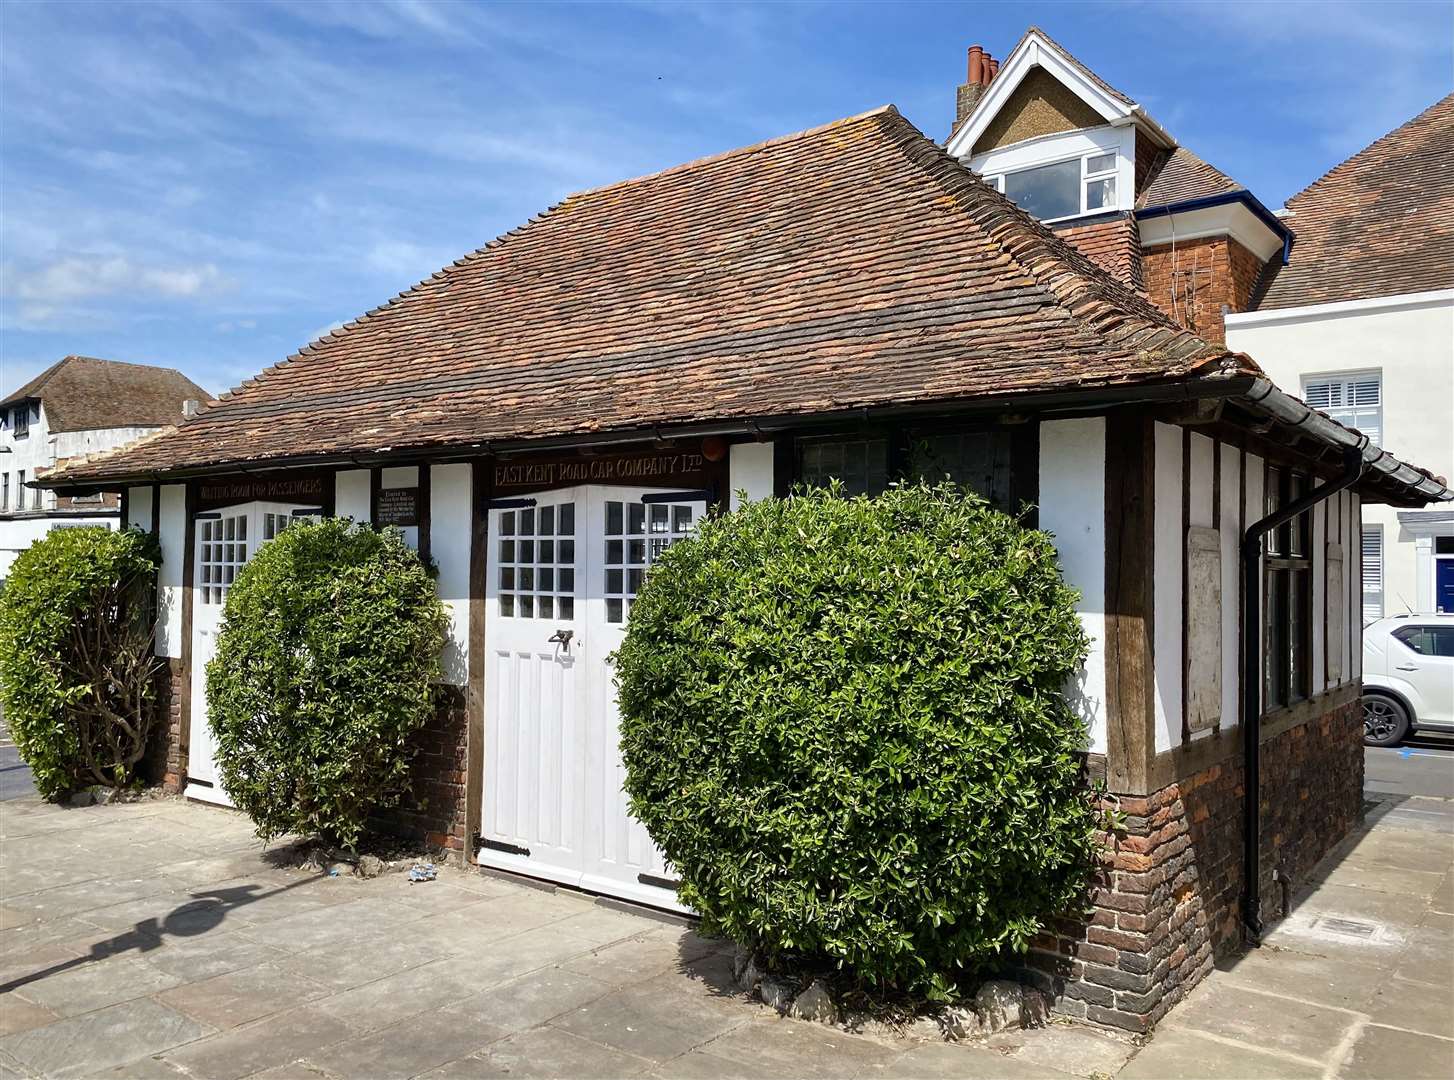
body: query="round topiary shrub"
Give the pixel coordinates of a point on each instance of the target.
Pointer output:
(77, 674)
(325, 664)
(843, 723)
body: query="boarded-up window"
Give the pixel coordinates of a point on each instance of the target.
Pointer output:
(1204, 629)
(1337, 608)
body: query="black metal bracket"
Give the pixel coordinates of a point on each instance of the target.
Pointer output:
(507, 504)
(307, 511)
(508, 849)
(658, 882)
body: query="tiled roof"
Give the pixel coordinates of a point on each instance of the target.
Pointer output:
(82, 393)
(1379, 224)
(1181, 175)
(850, 266)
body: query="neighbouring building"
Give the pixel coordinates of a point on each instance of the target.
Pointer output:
(1094, 166)
(549, 412)
(1360, 323)
(77, 406)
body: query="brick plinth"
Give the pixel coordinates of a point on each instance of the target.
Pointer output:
(1168, 902)
(435, 813)
(171, 757)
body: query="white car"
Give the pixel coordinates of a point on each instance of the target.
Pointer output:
(1408, 677)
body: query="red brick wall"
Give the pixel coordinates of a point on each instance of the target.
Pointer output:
(1169, 898)
(1114, 246)
(170, 759)
(1193, 283)
(435, 814)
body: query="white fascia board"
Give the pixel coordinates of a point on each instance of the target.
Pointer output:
(1033, 52)
(1402, 301)
(1229, 219)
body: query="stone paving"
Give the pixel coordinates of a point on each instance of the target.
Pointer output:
(154, 939)
(1358, 981)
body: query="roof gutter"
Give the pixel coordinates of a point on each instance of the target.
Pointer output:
(1243, 196)
(1266, 398)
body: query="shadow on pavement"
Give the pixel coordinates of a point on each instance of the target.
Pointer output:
(204, 913)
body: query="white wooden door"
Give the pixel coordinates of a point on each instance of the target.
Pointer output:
(627, 537)
(225, 540)
(533, 752)
(561, 578)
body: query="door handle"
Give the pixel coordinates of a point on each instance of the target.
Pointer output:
(562, 637)
(1406, 667)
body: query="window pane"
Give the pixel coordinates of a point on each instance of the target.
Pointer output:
(527, 522)
(1441, 638)
(547, 608)
(1100, 163)
(1444, 545)
(614, 519)
(862, 465)
(527, 606)
(565, 607)
(507, 604)
(507, 523)
(547, 521)
(567, 519)
(681, 519)
(1050, 191)
(980, 460)
(635, 519)
(1100, 193)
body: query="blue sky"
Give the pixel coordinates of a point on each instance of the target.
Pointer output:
(210, 185)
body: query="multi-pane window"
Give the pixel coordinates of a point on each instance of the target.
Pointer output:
(20, 489)
(1287, 595)
(1062, 189)
(537, 562)
(20, 422)
(1372, 573)
(4, 491)
(274, 524)
(861, 465)
(636, 535)
(978, 460)
(1353, 400)
(222, 553)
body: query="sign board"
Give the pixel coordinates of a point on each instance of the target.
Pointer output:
(305, 488)
(397, 506)
(644, 468)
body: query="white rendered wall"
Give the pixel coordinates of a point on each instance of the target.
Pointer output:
(173, 524)
(749, 470)
(138, 508)
(1410, 341)
(1073, 508)
(449, 544)
(1168, 539)
(351, 495)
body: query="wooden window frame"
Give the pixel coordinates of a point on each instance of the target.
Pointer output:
(1287, 582)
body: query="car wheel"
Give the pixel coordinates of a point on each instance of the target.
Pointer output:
(1385, 721)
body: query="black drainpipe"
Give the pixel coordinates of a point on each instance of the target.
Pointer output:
(1252, 681)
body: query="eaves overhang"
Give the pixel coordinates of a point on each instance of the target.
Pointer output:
(1243, 198)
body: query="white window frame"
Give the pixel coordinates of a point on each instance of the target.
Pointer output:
(1372, 559)
(1054, 149)
(1341, 399)
(4, 491)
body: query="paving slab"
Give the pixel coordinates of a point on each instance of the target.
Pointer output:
(1383, 1052)
(654, 1021)
(1183, 1054)
(545, 1053)
(250, 1049)
(225, 1001)
(418, 1045)
(1068, 1048)
(363, 959)
(1415, 1006)
(1347, 984)
(957, 1061)
(17, 1014)
(530, 1000)
(84, 1045)
(774, 1045)
(384, 1002)
(194, 959)
(95, 983)
(1238, 1013)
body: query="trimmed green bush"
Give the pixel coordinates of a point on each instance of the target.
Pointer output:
(325, 661)
(843, 723)
(77, 673)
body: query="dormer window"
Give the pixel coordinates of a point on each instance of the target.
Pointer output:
(1085, 184)
(20, 421)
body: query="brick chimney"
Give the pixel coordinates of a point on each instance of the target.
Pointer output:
(982, 69)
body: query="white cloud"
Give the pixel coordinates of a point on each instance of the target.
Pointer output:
(78, 278)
